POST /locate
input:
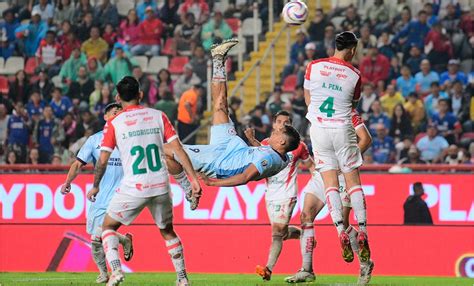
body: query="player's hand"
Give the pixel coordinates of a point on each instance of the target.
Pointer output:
(92, 193)
(196, 187)
(250, 133)
(205, 179)
(66, 188)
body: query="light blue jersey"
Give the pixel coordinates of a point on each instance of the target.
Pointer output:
(90, 152)
(228, 155)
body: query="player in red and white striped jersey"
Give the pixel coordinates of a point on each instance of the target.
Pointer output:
(314, 201)
(332, 90)
(139, 134)
(281, 194)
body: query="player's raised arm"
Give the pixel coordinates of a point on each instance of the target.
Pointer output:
(250, 174)
(177, 148)
(250, 134)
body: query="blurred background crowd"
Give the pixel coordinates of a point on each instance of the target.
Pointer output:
(59, 61)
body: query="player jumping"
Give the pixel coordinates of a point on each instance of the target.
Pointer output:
(314, 201)
(90, 153)
(332, 89)
(281, 194)
(139, 134)
(227, 160)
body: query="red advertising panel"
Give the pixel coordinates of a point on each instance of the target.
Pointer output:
(37, 220)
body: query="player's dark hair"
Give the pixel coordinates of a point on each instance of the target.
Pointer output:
(111, 106)
(346, 40)
(282, 113)
(128, 88)
(293, 138)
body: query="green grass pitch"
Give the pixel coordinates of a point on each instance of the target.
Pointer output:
(168, 279)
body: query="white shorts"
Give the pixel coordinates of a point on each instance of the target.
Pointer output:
(315, 187)
(280, 211)
(335, 149)
(125, 208)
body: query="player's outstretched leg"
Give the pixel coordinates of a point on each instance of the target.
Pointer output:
(98, 255)
(175, 250)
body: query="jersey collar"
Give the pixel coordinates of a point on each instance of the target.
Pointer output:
(132, 107)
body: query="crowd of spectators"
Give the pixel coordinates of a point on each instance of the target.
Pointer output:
(81, 48)
(416, 63)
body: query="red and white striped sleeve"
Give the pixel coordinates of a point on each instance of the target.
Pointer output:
(304, 152)
(109, 142)
(357, 90)
(168, 130)
(357, 120)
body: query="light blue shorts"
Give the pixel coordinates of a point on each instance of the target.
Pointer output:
(95, 219)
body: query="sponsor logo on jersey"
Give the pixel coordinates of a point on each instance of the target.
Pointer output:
(130, 122)
(334, 68)
(146, 119)
(325, 73)
(332, 86)
(341, 76)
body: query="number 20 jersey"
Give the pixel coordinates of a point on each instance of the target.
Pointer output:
(333, 85)
(139, 134)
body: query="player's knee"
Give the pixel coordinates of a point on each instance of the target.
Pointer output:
(305, 216)
(167, 231)
(279, 230)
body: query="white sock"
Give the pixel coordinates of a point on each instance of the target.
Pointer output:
(218, 69)
(358, 205)
(307, 244)
(333, 200)
(352, 233)
(275, 250)
(110, 242)
(98, 254)
(175, 250)
(183, 181)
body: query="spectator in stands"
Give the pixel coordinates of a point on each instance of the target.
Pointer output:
(4, 117)
(317, 26)
(83, 7)
(406, 84)
(188, 116)
(259, 122)
(385, 47)
(19, 90)
(352, 21)
(18, 132)
(46, 134)
(56, 160)
(366, 41)
(451, 21)
(84, 29)
(70, 68)
(109, 35)
(33, 159)
(69, 43)
(81, 89)
(11, 158)
(299, 105)
(60, 104)
(393, 74)
(64, 11)
(186, 35)
(6, 49)
(377, 116)
(45, 10)
(459, 101)
(199, 8)
(30, 35)
(416, 110)
(297, 49)
(144, 81)
(95, 96)
(163, 80)
(452, 74)
(431, 101)
(390, 99)
(432, 146)
(378, 15)
(119, 66)
(275, 102)
(9, 25)
(367, 97)
(169, 13)
(99, 108)
(44, 86)
(415, 59)
(106, 13)
(129, 31)
(150, 30)
(447, 123)
(69, 125)
(199, 63)
(430, 15)
(95, 46)
(141, 8)
(168, 105)
(234, 106)
(49, 55)
(416, 210)
(400, 124)
(413, 157)
(412, 34)
(35, 105)
(425, 77)
(402, 21)
(375, 66)
(383, 148)
(309, 55)
(453, 156)
(215, 29)
(439, 46)
(95, 69)
(186, 81)
(88, 120)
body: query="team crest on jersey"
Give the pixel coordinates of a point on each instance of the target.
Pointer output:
(325, 73)
(131, 122)
(264, 163)
(232, 131)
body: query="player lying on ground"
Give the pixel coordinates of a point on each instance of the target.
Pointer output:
(227, 160)
(281, 194)
(314, 201)
(109, 184)
(331, 90)
(139, 134)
